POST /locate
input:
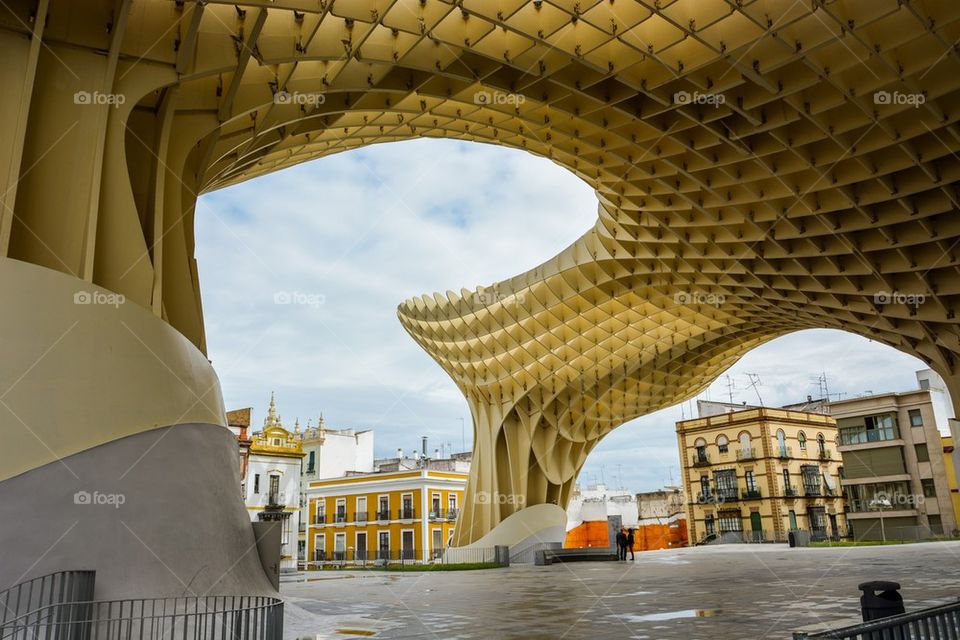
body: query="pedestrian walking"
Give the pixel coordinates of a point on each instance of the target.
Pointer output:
(630, 544)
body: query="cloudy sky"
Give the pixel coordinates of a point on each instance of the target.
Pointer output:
(302, 272)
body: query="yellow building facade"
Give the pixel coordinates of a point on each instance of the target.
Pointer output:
(407, 516)
(758, 474)
(951, 473)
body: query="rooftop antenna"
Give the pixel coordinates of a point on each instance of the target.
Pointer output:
(730, 388)
(603, 480)
(620, 476)
(755, 382)
(463, 436)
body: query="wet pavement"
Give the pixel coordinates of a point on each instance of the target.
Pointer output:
(730, 591)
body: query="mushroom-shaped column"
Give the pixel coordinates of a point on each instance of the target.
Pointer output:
(552, 360)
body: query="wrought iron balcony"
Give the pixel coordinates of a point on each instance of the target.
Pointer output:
(784, 452)
(727, 495)
(701, 459)
(826, 454)
(746, 453)
(790, 492)
(452, 514)
(751, 494)
(361, 516)
(406, 514)
(812, 490)
(320, 518)
(383, 514)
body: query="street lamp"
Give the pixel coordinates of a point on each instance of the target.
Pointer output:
(880, 503)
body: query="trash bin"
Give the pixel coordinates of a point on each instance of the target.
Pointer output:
(880, 599)
(792, 539)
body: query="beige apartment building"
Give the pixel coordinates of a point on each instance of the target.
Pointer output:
(894, 472)
(756, 474)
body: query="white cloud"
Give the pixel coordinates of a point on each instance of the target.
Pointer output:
(355, 234)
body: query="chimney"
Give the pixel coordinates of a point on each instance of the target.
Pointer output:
(424, 445)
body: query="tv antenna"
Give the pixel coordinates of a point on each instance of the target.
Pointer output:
(755, 383)
(730, 387)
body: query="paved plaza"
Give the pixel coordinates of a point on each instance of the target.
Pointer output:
(732, 591)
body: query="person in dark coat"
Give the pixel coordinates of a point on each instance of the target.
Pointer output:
(629, 545)
(621, 545)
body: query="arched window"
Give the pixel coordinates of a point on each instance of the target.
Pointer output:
(821, 443)
(803, 441)
(787, 489)
(746, 452)
(782, 443)
(722, 443)
(701, 454)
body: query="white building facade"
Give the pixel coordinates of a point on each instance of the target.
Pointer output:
(271, 487)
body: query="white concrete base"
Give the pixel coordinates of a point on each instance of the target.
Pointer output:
(541, 523)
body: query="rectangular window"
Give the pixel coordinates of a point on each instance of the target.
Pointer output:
(730, 521)
(341, 510)
(256, 483)
(319, 545)
(709, 524)
(340, 546)
(922, 454)
(383, 548)
(929, 488)
(384, 510)
(361, 550)
(274, 490)
(811, 479)
(435, 505)
(916, 419)
(751, 481)
(362, 509)
(723, 446)
(726, 484)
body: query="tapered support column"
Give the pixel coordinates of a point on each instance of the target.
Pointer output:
(115, 457)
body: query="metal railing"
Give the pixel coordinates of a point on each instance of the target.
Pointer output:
(812, 490)
(784, 452)
(43, 591)
(934, 623)
(701, 459)
(188, 618)
(380, 557)
(406, 514)
(751, 494)
(746, 453)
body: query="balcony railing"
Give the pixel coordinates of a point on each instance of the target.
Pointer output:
(826, 454)
(727, 494)
(784, 452)
(406, 514)
(751, 494)
(383, 514)
(340, 518)
(320, 518)
(790, 491)
(361, 516)
(452, 514)
(701, 459)
(746, 453)
(812, 490)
